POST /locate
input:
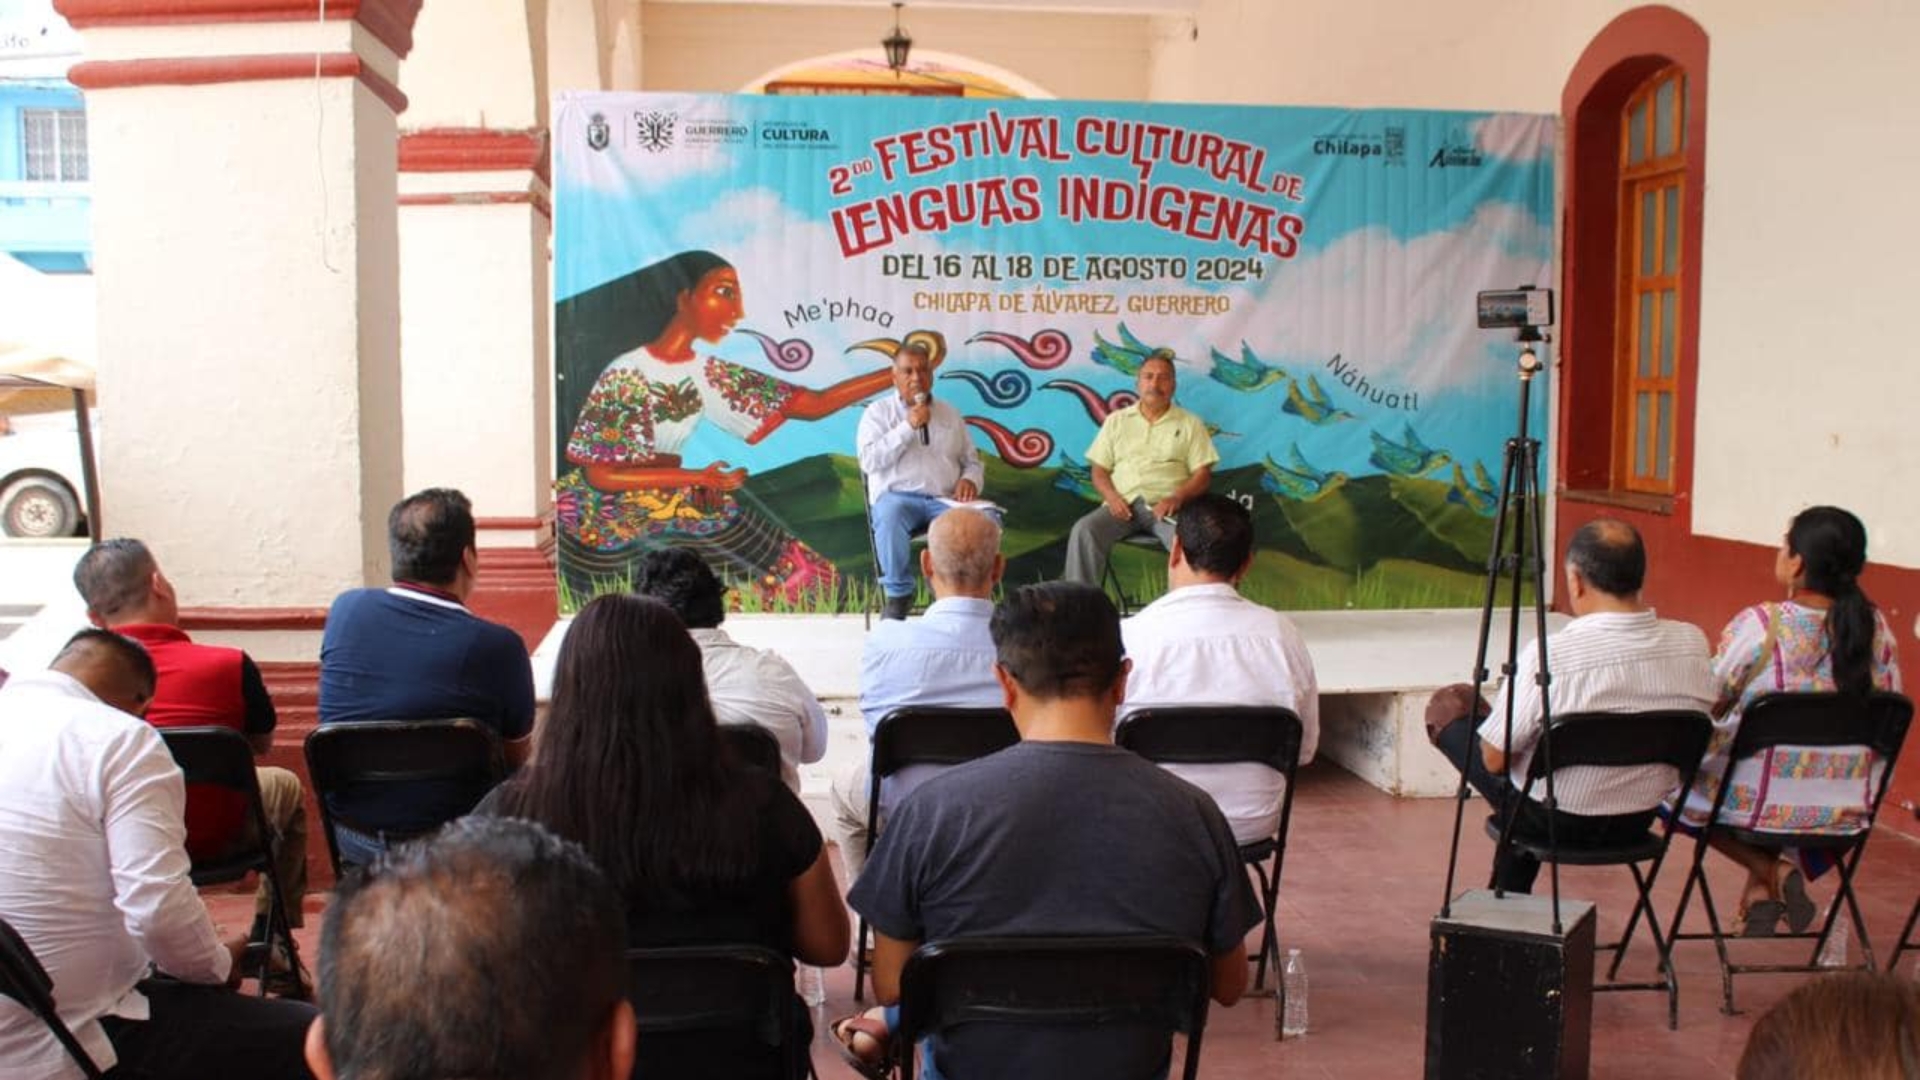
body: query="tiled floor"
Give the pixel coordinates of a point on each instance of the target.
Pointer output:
(1364, 876)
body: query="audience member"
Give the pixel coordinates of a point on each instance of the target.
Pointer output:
(94, 876)
(747, 686)
(945, 657)
(1062, 834)
(1615, 656)
(1205, 644)
(492, 950)
(202, 685)
(1850, 1025)
(915, 453)
(1826, 636)
(702, 848)
(414, 652)
(1147, 461)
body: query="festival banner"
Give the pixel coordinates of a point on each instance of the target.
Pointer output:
(733, 273)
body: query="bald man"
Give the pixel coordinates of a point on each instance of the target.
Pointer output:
(945, 657)
(93, 874)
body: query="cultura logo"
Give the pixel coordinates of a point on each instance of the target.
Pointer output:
(654, 130)
(794, 134)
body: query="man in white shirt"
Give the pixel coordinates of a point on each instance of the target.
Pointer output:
(748, 686)
(945, 657)
(93, 875)
(915, 453)
(1205, 644)
(1615, 656)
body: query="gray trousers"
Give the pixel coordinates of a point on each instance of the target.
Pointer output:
(1095, 534)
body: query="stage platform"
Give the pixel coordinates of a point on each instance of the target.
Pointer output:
(1376, 671)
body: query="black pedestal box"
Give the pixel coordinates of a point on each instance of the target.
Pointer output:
(1507, 998)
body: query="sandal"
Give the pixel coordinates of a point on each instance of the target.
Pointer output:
(848, 1028)
(1798, 905)
(1761, 918)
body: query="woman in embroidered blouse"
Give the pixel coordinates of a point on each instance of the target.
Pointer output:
(1826, 636)
(636, 338)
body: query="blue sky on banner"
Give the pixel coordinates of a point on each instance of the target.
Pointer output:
(1407, 214)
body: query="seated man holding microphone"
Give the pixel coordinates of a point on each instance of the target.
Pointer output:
(918, 461)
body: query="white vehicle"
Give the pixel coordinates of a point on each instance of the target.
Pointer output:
(42, 493)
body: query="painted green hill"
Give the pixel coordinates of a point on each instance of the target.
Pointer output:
(1373, 542)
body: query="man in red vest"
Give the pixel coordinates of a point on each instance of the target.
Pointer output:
(201, 686)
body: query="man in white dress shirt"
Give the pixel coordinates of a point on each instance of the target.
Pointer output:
(915, 452)
(748, 686)
(93, 875)
(945, 657)
(1615, 656)
(1205, 644)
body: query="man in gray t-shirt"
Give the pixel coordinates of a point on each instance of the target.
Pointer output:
(1063, 834)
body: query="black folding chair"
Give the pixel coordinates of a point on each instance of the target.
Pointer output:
(1878, 723)
(723, 993)
(1066, 982)
(221, 757)
(362, 758)
(23, 979)
(924, 735)
(754, 745)
(1675, 738)
(1204, 735)
(914, 541)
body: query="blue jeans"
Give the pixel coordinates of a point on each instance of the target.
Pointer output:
(897, 516)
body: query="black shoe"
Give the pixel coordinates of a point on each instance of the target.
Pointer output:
(897, 607)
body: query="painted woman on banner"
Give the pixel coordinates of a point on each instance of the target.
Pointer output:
(633, 387)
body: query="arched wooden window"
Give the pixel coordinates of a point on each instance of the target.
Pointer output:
(1653, 192)
(1635, 106)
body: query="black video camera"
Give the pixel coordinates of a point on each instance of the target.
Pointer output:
(1524, 308)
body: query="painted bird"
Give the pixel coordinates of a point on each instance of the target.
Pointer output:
(1477, 496)
(1127, 356)
(1299, 480)
(1247, 374)
(1076, 478)
(1408, 457)
(1313, 406)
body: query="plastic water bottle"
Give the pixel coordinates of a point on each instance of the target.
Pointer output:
(813, 986)
(1833, 954)
(1293, 980)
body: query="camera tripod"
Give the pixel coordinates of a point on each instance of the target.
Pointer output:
(1516, 550)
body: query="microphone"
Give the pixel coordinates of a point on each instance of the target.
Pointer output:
(920, 398)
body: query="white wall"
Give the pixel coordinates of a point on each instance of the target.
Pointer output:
(721, 47)
(1807, 382)
(471, 66)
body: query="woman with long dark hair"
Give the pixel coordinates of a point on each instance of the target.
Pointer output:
(705, 849)
(1827, 635)
(634, 385)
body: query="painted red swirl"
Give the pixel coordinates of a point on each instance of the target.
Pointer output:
(1090, 399)
(1022, 451)
(1044, 351)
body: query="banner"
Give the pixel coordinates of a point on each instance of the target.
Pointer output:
(733, 274)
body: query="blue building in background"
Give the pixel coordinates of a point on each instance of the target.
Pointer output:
(45, 210)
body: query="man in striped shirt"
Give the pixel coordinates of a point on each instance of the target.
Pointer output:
(1615, 656)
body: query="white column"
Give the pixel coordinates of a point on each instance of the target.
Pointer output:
(474, 224)
(245, 253)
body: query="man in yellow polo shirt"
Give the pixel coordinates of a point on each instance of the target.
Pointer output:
(1148, 460)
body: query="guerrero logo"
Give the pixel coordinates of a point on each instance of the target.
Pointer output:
(795, 135)
(654, 130)
(598, 133)
(714, 131)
